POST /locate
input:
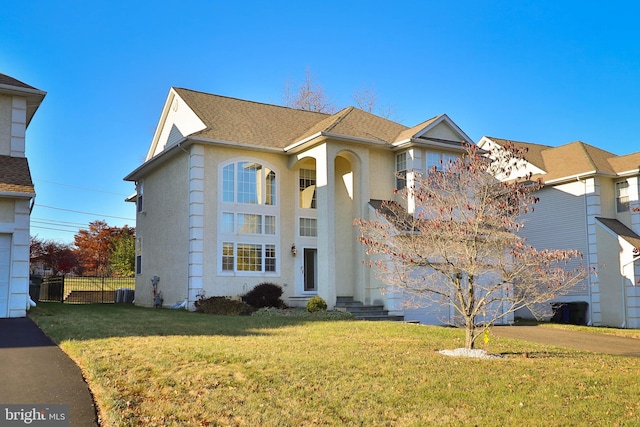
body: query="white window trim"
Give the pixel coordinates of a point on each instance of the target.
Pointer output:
(236, 208)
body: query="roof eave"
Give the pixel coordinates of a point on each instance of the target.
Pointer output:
(234, 144)
(17, 194)
(304, 143)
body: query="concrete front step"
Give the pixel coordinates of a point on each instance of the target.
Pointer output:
(364, 312)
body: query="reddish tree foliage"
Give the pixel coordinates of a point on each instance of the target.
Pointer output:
(95, 245)
(57, 257)
(461, 246)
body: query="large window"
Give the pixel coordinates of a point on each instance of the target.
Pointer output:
(401, 171)
(248, 219)
(439, 161)
(308, 188)
(248, 182)
(248, 257)
(622, 196)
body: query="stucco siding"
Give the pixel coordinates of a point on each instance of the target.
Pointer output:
(609, 279)
(163, 229)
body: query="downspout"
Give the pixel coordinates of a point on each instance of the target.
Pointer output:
(624, 291)
(179, 144)
(586, 223)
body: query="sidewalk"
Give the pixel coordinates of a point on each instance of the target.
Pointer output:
(587, 341)
(33, 370)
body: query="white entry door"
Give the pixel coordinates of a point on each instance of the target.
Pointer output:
(5, 264)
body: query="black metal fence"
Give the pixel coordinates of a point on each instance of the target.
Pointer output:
(83, 289)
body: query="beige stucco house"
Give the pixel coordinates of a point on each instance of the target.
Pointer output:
(234, 193)
(18, 104)
(589, 202)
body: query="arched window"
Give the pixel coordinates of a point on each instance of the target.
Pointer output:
(248, 182)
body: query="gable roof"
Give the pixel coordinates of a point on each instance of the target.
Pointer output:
(12, 86)
(254, 123)
(236, 122)
(573, 159)
(15, 176)
(621, 230)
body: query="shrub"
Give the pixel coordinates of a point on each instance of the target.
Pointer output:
(264, 295)
(316, 304)
(221, 306)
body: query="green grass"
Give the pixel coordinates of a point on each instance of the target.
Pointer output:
(163, 367)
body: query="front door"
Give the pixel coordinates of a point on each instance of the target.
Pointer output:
(310, 269)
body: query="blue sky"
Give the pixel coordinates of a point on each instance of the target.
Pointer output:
(549, 72)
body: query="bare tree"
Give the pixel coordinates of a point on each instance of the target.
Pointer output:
(461, 246)
(310, 97)
(366, 99)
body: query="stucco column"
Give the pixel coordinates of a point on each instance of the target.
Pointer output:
(325, 183)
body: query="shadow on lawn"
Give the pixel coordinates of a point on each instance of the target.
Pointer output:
(96, 321)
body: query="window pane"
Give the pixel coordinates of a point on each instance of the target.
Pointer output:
(270, 258)
(249, 257)
(227, 222)
(622, 196)
(270, 188)
(248, 174)
(434, 160)
(401, 171)
(249, 224)
(307, 188)
(227, 256)
(269, 224)
(308, 227)
(227, 183)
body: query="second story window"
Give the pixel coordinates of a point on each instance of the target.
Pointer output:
(622, 196)
(307, 188)
(248, 182)
(401, 171)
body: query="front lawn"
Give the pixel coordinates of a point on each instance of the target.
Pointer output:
(168, 367)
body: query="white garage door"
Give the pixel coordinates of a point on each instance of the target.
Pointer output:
(428, 313)
(5, 263)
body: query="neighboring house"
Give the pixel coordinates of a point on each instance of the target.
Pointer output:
(234, 193)
(589, 202)
(18, 104)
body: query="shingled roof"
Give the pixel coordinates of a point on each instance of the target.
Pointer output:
(254, 123)
(10, 81)
(573, 159)
(15, 176)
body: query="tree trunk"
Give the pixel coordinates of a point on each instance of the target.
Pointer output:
(469, 338)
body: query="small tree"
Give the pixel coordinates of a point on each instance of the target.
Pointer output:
(461, 245)
(123, 253)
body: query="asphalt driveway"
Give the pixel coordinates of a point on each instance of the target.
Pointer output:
(587, 341)
(35, 371)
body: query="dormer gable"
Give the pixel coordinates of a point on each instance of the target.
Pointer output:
(440, 132)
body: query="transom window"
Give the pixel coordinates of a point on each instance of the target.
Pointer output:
(622, 196)
(308, 188)
(248, 182)
(244, 223)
